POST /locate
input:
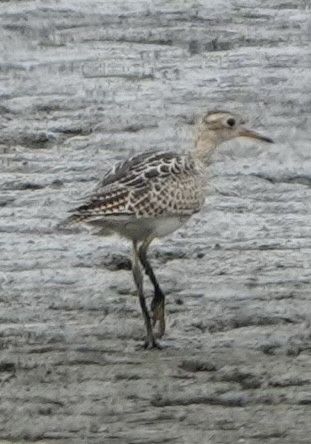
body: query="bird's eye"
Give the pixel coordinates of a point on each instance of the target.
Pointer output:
(231, 122)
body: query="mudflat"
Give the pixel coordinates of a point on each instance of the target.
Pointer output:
(85, 83)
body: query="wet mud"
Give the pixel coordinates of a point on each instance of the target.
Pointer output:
(85, 83)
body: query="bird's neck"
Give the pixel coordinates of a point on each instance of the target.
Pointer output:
(204, 148)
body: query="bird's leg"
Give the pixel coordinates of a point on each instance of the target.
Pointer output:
(150, 341)
(158, 301)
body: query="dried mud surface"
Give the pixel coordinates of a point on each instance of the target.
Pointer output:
(84, 83)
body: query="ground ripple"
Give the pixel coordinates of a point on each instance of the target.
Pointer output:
(83, 85)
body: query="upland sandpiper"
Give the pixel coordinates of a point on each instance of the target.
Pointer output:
(152, 194)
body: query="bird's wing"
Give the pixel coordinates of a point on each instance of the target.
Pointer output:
(146, 185)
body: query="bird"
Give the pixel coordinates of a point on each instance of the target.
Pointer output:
(152, 194)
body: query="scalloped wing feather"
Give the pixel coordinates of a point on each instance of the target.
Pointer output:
(146, 185)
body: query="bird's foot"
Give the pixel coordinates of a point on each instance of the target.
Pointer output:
(151, 343)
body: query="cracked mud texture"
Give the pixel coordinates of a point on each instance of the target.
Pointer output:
(84, 83)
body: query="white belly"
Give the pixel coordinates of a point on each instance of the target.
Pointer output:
(140, 228)
(166, 225)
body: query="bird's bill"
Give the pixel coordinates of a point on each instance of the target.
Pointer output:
(253, 135)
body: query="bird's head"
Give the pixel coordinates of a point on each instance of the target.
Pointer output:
(217, 127)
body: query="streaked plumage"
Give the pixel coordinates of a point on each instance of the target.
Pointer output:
(147, 186)
(152, 194)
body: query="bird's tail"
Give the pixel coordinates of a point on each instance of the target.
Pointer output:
(72, 220)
